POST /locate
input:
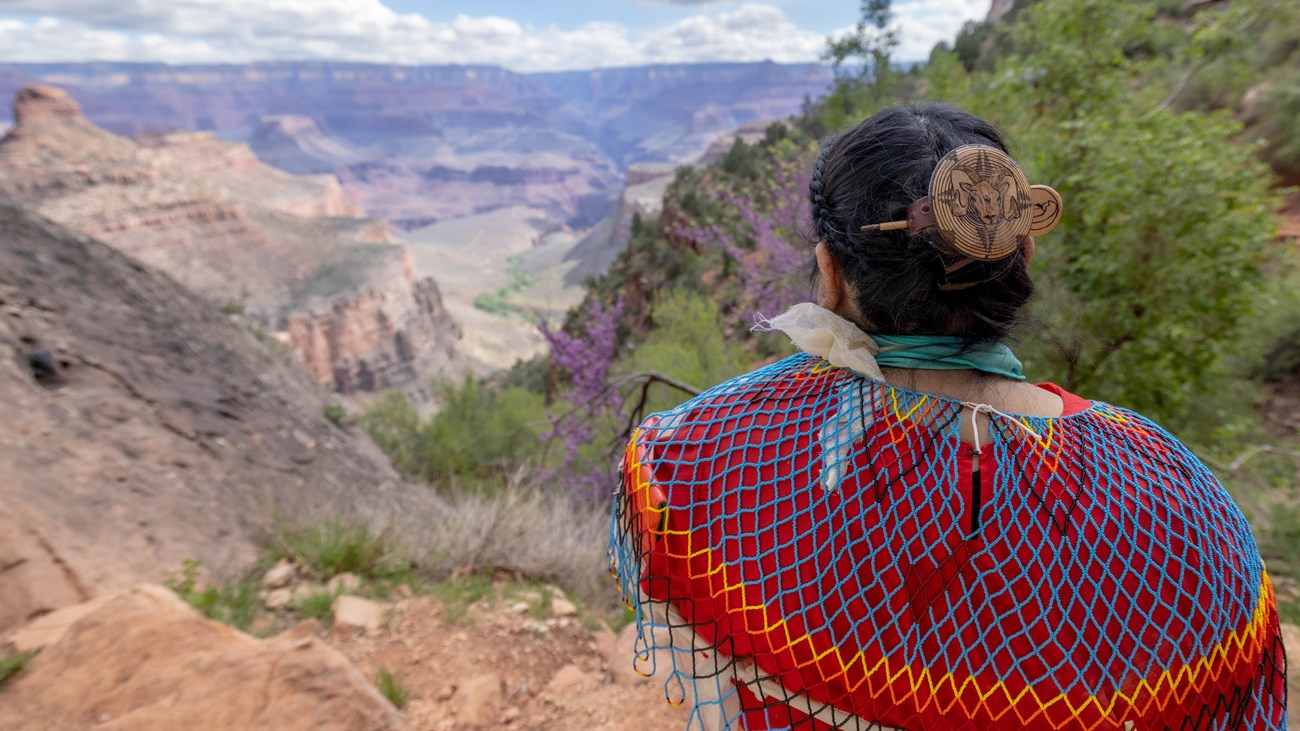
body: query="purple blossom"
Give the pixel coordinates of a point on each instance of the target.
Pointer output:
(587, 359)
(766, 240)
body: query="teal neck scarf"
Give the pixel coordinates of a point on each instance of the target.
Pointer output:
(946, 353)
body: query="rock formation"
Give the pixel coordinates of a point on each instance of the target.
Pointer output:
(278, 247)
(145, 660)
(642, 196)
(142, 427)
(416, 145)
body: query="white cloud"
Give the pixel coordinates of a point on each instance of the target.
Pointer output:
(923, 23)
(236, 31)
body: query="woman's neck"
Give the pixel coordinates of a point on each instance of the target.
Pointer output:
(1003, 394)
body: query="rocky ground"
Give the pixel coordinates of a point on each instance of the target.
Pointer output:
(508, 656)
(476, 653)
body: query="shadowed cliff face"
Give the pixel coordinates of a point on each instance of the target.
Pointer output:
(142, 427)
(278, 247)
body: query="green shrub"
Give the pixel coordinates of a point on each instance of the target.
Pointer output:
(478, 432)
(395, 426)
(318, 605)
(458, 593)
(331, 548)
(11, 665)
(688, 344)
(234, 602)
(393, 688)
(337, 415)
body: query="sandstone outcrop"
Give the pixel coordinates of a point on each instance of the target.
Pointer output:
(248, 236)
(142, 427)
(146, 660)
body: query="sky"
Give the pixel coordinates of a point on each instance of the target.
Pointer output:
(521, 35)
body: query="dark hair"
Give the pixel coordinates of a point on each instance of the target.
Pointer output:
(870, 174)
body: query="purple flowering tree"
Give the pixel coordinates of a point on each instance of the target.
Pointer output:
(766, 237)
(587, 358)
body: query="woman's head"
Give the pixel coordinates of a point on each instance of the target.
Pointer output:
(897, 281)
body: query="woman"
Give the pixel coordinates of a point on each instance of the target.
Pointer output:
(893, 530)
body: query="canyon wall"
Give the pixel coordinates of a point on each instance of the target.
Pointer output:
(417, 145)
(276, 247)
(144, 428)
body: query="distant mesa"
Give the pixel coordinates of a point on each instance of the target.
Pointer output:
(39, 102)
(293, 253)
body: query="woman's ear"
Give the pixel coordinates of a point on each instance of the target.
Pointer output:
(1029, 249)
(830, 292)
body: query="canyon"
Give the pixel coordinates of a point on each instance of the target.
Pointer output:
(291, 254)
(496, 181)
(419, 144)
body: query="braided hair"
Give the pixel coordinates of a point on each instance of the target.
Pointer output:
(871, 174)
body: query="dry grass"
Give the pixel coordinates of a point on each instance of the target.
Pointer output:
(524, 528)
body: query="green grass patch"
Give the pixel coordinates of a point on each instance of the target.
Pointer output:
(337, 415)
(11, 665)
(458, 593)
(234, 602)
(393, 688)
(318, 605)
(495, 302)
(332, 548)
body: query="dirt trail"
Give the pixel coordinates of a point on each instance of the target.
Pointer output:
(438, 655)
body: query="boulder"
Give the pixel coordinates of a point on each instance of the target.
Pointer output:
(567, 681)
(280, 575)
(146, 660)
(48, 628)
(354, 615)
(277, 599)
(562, 607)
(344, 583)
(604, 641)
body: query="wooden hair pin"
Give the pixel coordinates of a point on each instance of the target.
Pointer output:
(981, 204)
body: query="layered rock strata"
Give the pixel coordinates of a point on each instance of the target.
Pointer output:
(277, 247)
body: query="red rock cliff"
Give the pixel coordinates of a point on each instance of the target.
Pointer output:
(292, 252)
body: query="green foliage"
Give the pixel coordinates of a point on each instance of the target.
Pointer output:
(969, 44)
(395, 426)
(318, 605)
(530, 375)
(479, 432)
(460, 592)
(869, 45)
(11, 665)
(234, 602)
(496, 302)
(493, 303)
(392, 688)
(1144, 288)
(337, 415)
(331, 548)
(689, 344)
(1156, 265)
(1282, 122)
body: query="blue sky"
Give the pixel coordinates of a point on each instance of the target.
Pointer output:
(517, 34)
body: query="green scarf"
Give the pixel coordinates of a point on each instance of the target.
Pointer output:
(946, 353)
